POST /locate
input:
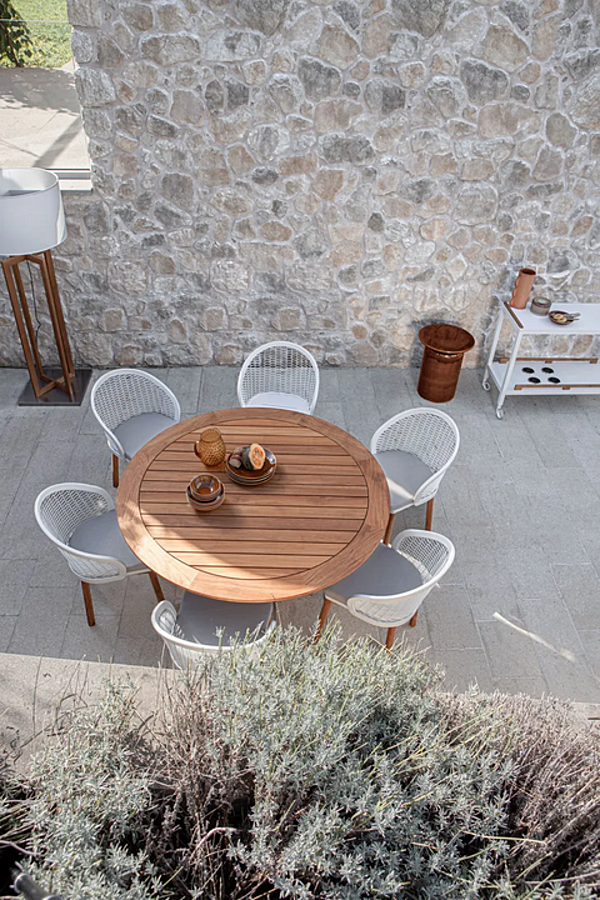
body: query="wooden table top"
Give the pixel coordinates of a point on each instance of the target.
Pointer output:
(320, 516)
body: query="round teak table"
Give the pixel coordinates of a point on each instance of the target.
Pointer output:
(321, 515)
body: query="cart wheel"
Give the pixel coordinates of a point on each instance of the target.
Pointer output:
(486, 385)
(500, 413)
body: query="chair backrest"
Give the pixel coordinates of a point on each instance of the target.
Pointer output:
(427, 433)
(431, 554)
(59, 510)
(189, 654)
(119, 395)
(280, 367)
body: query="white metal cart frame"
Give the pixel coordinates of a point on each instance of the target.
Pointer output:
(542, 375)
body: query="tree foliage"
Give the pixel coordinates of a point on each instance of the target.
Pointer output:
(15, 40)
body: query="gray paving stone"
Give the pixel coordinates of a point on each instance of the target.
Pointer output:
(139, 600)
(360, 404)
(591, 644)
(449, 618)
(7, 627)
(90, 462)
(394, 391)
(491, 590)
(530, 567)
(41, 624)
(332, 411)
(186, 385)
(330, 385)
(510, 650)
(477, 441)
(95, 644)
(11, 384)
(550, 442)
(461, 496)
(515, 442)
(556, 533)
(579, 494)
(462, 669)
(580, 589)
(531, 687)
(108, 598)
(218, 389)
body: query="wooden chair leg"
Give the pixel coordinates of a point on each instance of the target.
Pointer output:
(429, 515)
(388, 530)
(157, 588)
(115, 470)
(89, 606)
(323, 615)
(413, 621)
(389, 641)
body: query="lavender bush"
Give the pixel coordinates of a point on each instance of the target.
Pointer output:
(322, 771)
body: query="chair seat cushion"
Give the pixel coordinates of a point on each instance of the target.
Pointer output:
(276, 400)
(200, 617)
(101, 535)
(138, 430)
(405, 474)
(385, 574)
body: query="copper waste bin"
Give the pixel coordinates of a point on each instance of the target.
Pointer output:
(445, 345)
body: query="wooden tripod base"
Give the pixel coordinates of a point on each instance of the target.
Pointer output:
(42, 382)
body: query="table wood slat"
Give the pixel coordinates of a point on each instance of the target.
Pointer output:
(189, 534)
(320, 516)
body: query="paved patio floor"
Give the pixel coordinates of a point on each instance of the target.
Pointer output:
(41, 119)
(518, 611)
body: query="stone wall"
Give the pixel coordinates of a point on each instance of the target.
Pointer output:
(333, 172)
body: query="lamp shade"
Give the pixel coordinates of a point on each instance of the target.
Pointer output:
(32, 218)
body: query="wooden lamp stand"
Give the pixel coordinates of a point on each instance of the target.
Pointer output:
(31, 220)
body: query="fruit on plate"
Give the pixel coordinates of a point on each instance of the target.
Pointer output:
(235, 458)
(253, 457)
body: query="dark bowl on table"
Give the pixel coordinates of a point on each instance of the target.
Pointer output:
(205, 488)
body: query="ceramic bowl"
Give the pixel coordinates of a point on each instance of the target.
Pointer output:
(204, 506)
(562, 318)
(205, 488)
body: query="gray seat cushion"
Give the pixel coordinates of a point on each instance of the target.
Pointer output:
(200, 617)
(102, 536)
(277, 400)
(405, 474)
(384, 574)
(138, 430)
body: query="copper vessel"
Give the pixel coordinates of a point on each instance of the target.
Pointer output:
(523, 285)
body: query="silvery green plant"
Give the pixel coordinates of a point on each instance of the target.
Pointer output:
(90, 798)
(317, 771)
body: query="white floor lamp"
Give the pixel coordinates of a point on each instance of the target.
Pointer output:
(32, 222)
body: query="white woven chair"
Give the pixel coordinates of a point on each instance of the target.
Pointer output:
(414, 449)
(388, 589)
(205, 626)
(279, 375)
(80, 519)
(132, 407)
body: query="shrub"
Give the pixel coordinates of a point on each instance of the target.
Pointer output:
(322, 771)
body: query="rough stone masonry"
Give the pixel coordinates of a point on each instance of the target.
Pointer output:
(333, 172)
